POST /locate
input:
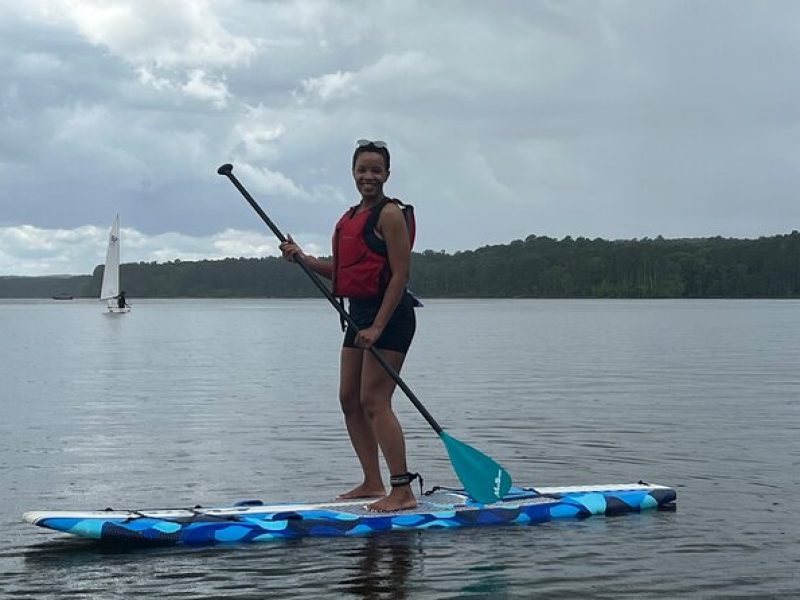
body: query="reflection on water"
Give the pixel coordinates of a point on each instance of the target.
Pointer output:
(375, 567)
(382, 566)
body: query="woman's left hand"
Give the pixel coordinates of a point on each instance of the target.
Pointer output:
(368, 336)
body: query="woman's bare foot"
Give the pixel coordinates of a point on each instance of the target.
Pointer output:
(400, 498)
(363, 491)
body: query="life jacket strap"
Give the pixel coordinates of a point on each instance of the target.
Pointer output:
(371, 238)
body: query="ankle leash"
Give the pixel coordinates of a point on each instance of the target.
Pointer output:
(405, 479)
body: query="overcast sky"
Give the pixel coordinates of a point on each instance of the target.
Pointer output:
(613, 119)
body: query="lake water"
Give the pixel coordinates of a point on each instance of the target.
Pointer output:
(212, 401)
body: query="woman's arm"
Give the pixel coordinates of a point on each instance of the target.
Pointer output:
(289, 249)
(392, 227)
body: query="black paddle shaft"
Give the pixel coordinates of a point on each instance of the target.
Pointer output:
(227, 171)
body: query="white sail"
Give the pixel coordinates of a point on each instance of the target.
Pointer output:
(110, 286)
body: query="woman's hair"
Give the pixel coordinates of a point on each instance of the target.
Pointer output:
(383, 151)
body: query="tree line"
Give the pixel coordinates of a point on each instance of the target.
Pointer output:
(536, 267)
(542, 267)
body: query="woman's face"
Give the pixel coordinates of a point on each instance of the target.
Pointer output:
(370, 174)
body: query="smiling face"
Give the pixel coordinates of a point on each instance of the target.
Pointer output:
(370, 174)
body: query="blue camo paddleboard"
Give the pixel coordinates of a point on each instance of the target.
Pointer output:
(439, 509)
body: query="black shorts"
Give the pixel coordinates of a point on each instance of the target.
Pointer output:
(399, 330)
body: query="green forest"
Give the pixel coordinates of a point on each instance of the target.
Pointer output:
(536, 267)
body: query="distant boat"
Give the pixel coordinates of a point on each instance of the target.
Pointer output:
(109, 290)
(62, 296)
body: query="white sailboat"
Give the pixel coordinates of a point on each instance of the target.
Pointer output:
(109, 290)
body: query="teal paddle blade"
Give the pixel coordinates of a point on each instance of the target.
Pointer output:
(482, 477)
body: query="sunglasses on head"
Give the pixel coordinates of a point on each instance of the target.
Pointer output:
(376, 143)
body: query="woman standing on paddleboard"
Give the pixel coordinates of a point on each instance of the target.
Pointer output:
(370, 266)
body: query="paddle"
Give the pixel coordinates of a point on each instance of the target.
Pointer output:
(483, 478)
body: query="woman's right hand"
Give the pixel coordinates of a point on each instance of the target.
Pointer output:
(289, 249)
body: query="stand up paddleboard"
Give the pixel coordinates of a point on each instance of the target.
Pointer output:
(252, 521)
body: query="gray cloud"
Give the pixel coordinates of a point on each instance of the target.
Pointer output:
(613, 119)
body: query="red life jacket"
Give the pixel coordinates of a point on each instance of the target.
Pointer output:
(360, 260)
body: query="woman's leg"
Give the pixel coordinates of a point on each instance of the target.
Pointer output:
(358, 425)
(377, 387)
